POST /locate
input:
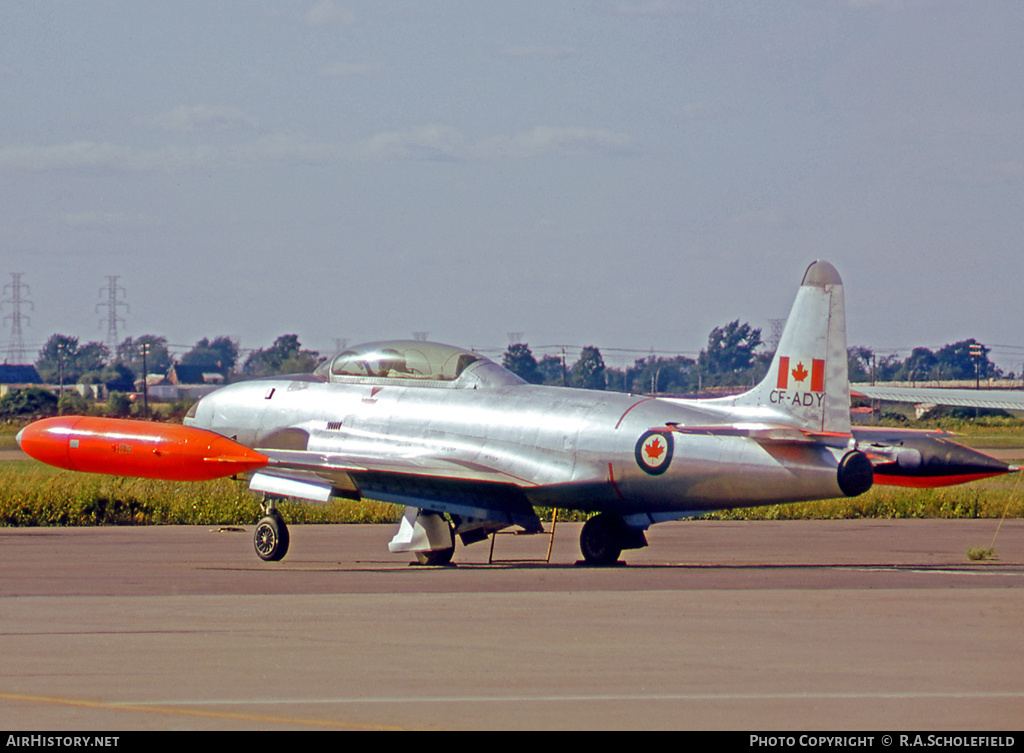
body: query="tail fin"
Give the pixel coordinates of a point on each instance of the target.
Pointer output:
(808, 379)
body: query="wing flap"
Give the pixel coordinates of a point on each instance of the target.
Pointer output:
(496, 503)
(331, 464)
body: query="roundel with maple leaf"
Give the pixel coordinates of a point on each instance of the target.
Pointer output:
(654, 452)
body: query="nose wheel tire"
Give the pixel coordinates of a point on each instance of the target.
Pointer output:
(271, 538)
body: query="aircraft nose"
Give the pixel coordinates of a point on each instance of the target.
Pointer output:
(17, 438)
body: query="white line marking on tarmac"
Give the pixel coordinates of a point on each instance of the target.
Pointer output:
(939, 571)
(908, 695)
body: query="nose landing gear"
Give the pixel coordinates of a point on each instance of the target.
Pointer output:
(271, 538)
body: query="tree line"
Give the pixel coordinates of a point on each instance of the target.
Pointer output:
(735, 356)
(63, 360)
(731, 359)
(966, 359)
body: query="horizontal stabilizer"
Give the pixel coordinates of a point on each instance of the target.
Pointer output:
(760, 432)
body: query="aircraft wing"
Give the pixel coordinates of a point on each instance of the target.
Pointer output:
(464, 488)
(1003, 399)
(331, 464)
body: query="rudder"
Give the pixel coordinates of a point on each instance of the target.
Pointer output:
(809, 379)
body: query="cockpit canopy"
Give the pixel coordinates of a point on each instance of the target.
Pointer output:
(407, 359)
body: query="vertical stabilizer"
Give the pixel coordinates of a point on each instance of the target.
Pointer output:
(808, 379)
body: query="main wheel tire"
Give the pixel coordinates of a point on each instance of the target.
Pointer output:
(271, 538)
(601, 540)
(436, 558)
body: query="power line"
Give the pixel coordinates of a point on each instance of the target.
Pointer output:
(777, 326)
(16, 349)
(111, 305)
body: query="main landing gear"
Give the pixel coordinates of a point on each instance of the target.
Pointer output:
(271, 538)
(428, 535)
(436, 558)
(603, 538)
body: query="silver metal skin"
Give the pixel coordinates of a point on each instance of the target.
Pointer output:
(443, 430)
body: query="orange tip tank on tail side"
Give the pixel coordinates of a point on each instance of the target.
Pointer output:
(122, 447)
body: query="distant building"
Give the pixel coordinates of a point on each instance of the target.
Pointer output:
(19, 374)
(13, 376)
(182, 381)
(180, 374)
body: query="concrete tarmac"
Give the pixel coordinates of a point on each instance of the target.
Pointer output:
(797, 625)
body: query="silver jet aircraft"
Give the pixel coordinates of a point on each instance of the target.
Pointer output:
(468, 448)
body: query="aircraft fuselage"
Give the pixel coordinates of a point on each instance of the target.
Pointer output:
(570, 448)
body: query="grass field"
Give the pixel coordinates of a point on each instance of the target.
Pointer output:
(36, 495)
(32, 494)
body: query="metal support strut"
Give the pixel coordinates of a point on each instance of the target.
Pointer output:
(551, 543)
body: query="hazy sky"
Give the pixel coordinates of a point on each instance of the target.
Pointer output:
(624, 174)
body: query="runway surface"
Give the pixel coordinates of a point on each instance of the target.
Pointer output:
(870, 625)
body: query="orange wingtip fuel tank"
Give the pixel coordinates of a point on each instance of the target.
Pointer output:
(122, 447)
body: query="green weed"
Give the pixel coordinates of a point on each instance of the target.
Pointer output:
(35, 495)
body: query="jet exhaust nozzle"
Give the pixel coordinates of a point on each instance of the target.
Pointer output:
(856, 474)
